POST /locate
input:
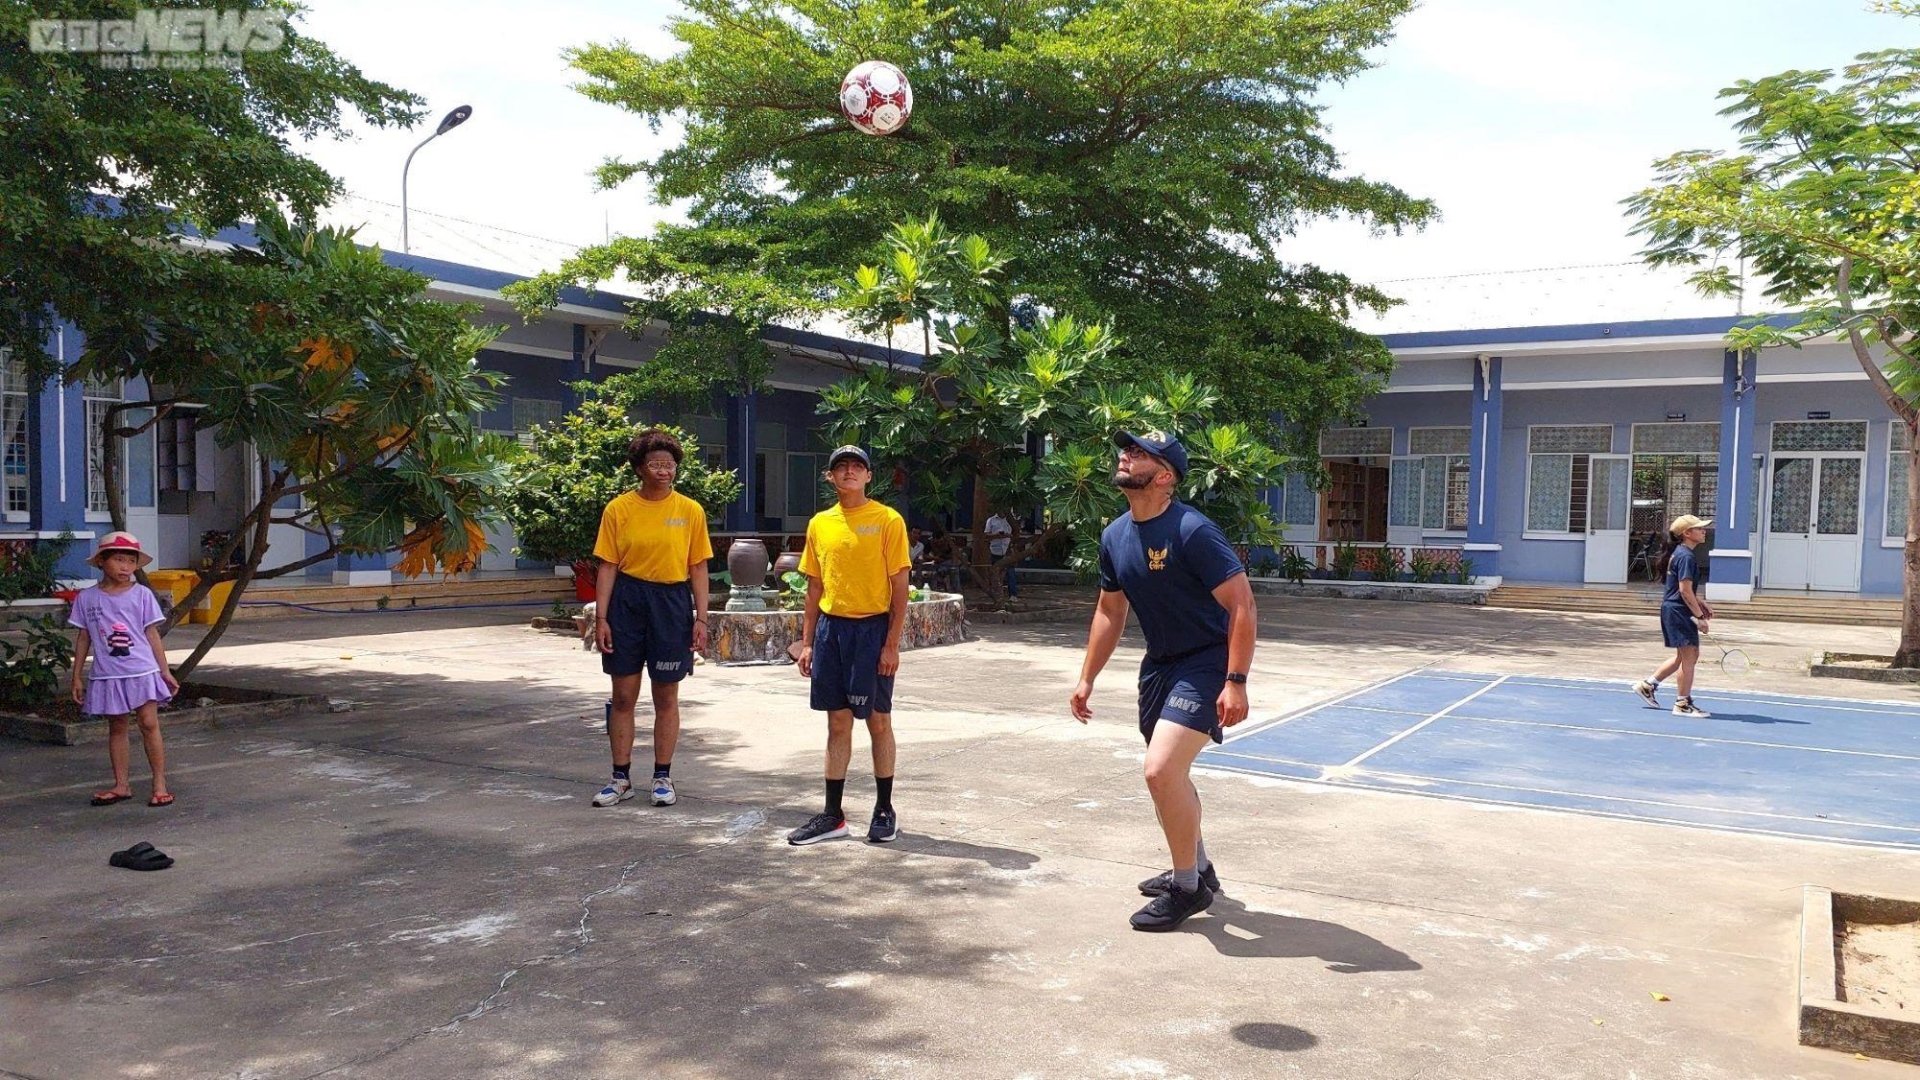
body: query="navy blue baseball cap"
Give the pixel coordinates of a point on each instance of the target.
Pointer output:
(1160, 444)
(850, 452)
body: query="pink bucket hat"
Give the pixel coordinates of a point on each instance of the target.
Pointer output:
(119, 541)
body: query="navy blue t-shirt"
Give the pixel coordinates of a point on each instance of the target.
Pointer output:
(1682, 567)
(1169, 566)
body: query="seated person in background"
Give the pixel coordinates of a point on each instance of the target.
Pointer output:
(948, 560)
(917, 554)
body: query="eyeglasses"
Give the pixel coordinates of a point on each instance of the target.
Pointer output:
(1134, 452)
(662, 466)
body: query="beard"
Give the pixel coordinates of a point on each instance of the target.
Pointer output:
(1126, 481)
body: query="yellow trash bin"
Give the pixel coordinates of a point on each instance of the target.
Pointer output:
(173, 584)
(209, 611)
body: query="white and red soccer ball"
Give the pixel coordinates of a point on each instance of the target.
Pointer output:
(876, 98)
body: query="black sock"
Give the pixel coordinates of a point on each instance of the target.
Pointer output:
(660, 770)
(620, 771)
(883, 799)
(835, 788)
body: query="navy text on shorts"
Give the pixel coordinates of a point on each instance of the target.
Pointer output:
(1677, 626)
(652, 629)
(846, 666)
(1184, 689)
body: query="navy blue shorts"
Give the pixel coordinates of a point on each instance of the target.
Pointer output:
(1677, 626)
(652, 629)
(846, 666)
(1183, 691)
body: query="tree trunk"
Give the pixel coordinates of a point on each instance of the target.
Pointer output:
(977, 554)
(262, 520)
(1908, 654)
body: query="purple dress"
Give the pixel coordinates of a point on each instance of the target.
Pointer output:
(125, 674)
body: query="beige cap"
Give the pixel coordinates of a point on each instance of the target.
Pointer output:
(1687, 521)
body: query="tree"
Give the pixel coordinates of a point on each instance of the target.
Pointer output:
(1822, 202)
(972, 409)
(578, 464)
(1139, 161)
(99, 168)
(352, 394)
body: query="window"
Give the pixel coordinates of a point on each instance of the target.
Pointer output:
(1428, 489)
(16, 453)
(1295, 502)
(1356, 442)
(1820, 436)
(805, 489)
(99, 395)
(1897, 458)
(531, 412)
(176, 450)
(1671, 438)
(1558, 462)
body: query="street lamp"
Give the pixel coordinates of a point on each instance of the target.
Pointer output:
(447, 123)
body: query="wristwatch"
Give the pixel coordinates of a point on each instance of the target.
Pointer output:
(1237, 676)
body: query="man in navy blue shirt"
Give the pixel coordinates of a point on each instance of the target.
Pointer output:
(1178, 573)
(1684, 612)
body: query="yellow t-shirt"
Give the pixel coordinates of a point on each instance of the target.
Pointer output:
(653, 541)
(854, 553)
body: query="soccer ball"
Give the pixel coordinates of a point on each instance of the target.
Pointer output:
(876, 98)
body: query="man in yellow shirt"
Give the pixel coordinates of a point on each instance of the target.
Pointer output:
(652, 599)
(856, 564)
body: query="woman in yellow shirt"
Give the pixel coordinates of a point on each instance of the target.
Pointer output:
(652, 599)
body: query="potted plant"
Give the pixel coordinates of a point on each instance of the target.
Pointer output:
(1346, 560)
(1294, 566)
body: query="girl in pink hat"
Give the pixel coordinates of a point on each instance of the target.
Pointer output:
(118, 621)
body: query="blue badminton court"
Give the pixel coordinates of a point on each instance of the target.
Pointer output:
(1817, 768)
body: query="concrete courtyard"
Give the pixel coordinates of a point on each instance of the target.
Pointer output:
(418, 887)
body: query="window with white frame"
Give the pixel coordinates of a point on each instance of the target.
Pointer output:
(1297, 503)
(99, 395)
(1558, 461)
(1898, 456)
(16, 452)
(1356, 442)
(1428, 488)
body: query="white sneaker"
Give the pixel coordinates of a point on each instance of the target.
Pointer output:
(663, 791)
(1686, 707)
(1647, 691)
(618, 790)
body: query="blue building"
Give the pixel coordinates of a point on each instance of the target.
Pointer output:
(1558, 452)
(180, 483)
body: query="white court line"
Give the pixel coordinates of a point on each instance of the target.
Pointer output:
(1751, 830)
(1911, 709)
(1242, 731)
(1691, 738)
(1423, 723)
(1565, 793)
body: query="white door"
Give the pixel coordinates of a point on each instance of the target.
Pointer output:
(1836, 524)
(1813, 522)
(1609, 495)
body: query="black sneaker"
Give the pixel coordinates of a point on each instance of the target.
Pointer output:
(819, 827)
(1171, 908)
(1158, 884)
(885, 828)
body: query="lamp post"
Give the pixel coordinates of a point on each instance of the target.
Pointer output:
(447, 123)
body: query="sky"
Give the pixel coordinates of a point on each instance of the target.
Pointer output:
(1526, 120)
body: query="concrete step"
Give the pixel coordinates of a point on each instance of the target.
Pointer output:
(1813, 608)
(410, 595)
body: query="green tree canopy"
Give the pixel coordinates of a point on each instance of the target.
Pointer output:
(351, 393)
(981, 398)
(578, 464)
(1821, 203)
(211, 148)
(1142, 161)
